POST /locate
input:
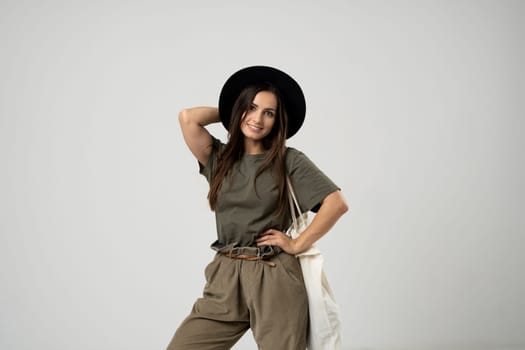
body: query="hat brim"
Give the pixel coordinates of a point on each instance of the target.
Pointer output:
(291, 94)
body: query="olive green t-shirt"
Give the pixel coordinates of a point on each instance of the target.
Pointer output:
(242, 214)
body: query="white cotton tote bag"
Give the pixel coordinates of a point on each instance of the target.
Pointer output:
(325, 324)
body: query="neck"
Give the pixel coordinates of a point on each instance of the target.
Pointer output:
(253, 147)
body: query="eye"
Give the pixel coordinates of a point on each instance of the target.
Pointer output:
(253, 107)
(270, 113)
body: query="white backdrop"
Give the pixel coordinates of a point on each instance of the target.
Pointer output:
(414, 108)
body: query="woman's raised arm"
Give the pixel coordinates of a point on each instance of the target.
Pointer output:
(192, 122)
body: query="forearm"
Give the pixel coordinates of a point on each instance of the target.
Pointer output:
(198, 139)
(332, 208)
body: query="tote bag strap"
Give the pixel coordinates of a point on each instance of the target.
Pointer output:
(299, 219)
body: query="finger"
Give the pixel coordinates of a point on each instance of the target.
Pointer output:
(263, 239)
(270, 231)
(267, 233)
(265, 243)
(267, 240)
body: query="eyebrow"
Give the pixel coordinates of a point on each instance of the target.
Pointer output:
(266, 109)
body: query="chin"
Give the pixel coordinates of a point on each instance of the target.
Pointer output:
(252, 136)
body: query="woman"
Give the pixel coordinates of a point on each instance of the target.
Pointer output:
(254, 280)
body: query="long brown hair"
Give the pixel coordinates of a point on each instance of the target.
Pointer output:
(274, 143)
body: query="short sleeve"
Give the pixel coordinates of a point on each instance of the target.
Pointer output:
(208, 169)
(310, 184)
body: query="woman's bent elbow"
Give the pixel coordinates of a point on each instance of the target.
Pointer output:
(342, 206)
(337, 203)
(183, 116)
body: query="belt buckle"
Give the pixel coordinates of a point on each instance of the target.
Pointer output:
(234, 251)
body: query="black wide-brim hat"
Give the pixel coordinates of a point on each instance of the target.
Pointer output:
(291, 94)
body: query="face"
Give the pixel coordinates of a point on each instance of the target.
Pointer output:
(258, 121)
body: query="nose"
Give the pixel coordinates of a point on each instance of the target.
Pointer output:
(258, 117)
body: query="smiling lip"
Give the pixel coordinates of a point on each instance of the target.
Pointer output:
(254, 127)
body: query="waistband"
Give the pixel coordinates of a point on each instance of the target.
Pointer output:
(234, 251)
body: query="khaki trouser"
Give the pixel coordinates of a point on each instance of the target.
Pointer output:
(241, 294)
